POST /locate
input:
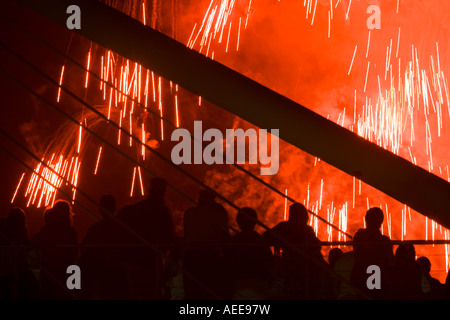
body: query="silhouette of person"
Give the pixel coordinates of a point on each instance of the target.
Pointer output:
(57, 245)
(343, 266)
(100, 257)
(372, 248)
(334, 255)
(249, 258)
(299, 272)
(151, 221)
(205, 230)
(16, 279)
(447, 287)
(405, 277)
(431, 287)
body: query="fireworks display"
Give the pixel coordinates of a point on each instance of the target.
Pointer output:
(389, 86)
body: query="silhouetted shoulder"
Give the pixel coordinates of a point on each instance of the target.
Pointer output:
(360, 234)
(251, 236)
(370, 235)
(280, 228)
(125, 212)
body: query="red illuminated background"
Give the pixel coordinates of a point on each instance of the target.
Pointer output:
(388, 85)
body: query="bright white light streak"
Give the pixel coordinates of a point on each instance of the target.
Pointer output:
(17, 188)
(143, 141)
(321, 194)
(98, 160)
(79, 138)
(398, 43)
(314, 13)
(348, 10)
(367, 73)
(285, 205)
(329, 24)
(351, 64)
(239, 34)
(368, 44)
(132, 182)
(140, 181)
(87, 69)
(143, 13)
(60, 83)
(331, 9)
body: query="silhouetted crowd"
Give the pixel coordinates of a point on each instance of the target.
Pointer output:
(134, 253)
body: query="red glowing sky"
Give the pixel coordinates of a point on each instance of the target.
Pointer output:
(282, 50)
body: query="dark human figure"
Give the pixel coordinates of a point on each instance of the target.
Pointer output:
(16, 279)
(405, 277)
(301, 251)
(101, 259)
(343, 266)
(334, 255)
(372, 248)
(431, 287)
(447, 287)
(152, 235)
(57, 249)
(205, 231)
(249, 259)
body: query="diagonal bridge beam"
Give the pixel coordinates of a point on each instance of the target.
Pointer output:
(412, 185)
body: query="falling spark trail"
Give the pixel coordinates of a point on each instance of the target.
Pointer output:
(143, 13)
(329, 24)
(285, 205)
(132, 182)
(98, 160)
(348, 10)
(367, 73)
(368, 44)
(321, 194)
(314, 12)
(176, 107)
(354, 192)
(239, 35)
(143, 141)
(351, 64)
(60, 83)
(331, 9)
(87, 67)
(248, 13)
(17, 188)
(398, 43)
(228, 38)
(79, 138)
(140, 180)
(120, 127)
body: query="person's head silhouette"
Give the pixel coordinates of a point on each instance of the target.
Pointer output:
(59, 215)
(246, 219)
(374, 218)
(62, 212)
(425, 264)
(334, 255)
(298, 214)
(405, 252)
